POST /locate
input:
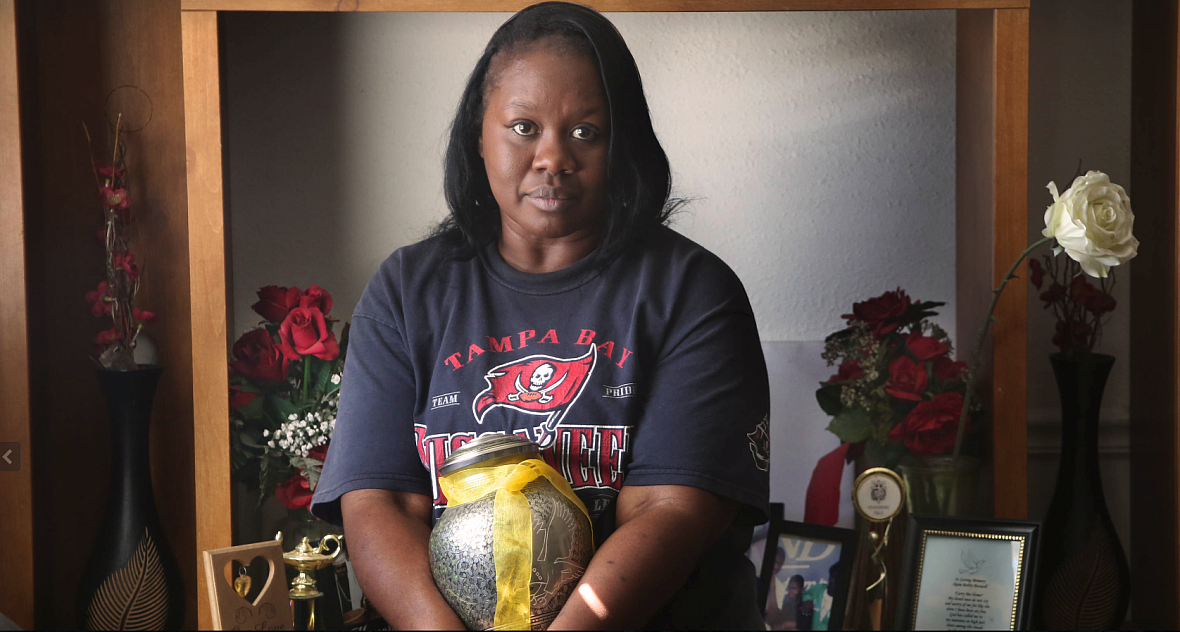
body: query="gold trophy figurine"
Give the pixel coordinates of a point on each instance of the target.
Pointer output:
(307, 559)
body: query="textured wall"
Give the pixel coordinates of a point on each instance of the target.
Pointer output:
(819, 147)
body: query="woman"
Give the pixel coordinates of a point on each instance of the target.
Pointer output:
(555, 267)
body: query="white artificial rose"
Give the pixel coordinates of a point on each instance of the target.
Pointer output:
(1092, 223)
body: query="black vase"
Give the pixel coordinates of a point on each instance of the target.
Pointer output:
(1083, 580)
(132, 581)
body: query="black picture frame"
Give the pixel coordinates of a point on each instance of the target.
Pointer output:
(984, 530)
(848, 541)
(756, 553)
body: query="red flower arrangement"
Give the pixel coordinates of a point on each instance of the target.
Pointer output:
(284, 387)
(114, 348)
(1081, 307)
(897, 387)
(897, 391)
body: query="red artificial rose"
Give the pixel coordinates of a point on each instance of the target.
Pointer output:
(1100, 302)
(1080, 290)
(316, 297)
(947, 370)
(931, 426)
(1068, 337)
(907, 379)
(319, 452)
(1052, 294)
(880, 313)
(126, 261)
(258, 358)
(144, 316)
(110, 172)
(305, 332)
(114, 198)
(294, 493)
(848, 371)
(96, 297)
(925, 347)
(239, 398)
(274, 302)
(104, 338)
(1036, 273)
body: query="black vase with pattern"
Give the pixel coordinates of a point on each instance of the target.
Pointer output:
(132, 581)
(1083, 580)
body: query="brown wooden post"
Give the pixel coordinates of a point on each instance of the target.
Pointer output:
(1155, 342)
(210, 287)
(16, 487)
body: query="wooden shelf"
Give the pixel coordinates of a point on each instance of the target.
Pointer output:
(486, 6)
(991, 185)
(992, 164)
(1155, 300)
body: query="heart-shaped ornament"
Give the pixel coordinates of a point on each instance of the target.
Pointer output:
(249, 580)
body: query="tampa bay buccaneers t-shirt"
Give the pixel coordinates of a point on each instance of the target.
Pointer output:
(646, 372)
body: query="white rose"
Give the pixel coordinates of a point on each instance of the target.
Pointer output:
(1092, 223)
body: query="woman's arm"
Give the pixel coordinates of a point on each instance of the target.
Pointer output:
(388, 535)
(662, 531)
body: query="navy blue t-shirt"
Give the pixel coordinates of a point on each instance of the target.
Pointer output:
(647, 372)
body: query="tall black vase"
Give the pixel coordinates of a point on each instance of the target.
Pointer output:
(132, 581)
(1083, 580)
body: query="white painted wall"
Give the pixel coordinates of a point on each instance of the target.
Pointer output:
(818, 147)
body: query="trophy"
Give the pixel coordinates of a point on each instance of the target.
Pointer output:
(307, 559)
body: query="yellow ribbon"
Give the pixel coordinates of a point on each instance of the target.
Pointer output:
(512, 527)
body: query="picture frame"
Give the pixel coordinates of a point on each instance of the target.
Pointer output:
(757, 550)
(817, 558)
(951, 576)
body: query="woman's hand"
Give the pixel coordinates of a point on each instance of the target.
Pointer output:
(388, 536)
(662, 531)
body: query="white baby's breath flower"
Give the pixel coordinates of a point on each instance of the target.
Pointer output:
(1092, 223)
(292, 417)
(335, 378)
(266, 433)
(271, 443)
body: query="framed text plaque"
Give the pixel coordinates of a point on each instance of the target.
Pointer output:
(967, 574)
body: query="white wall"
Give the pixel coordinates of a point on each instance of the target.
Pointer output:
(819, 149)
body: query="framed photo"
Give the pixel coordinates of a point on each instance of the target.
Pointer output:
(805, 575)
(757, 550)
(968, 574)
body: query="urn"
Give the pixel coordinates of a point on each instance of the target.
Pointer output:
(485, 527)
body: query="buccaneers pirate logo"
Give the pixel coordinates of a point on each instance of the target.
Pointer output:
(536, 385)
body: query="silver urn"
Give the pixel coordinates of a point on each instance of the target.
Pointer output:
(461, 546)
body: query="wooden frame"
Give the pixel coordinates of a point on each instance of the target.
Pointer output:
(992, 164)
(848, 539)
(16, 488)
(920, 527)
(1155, 300)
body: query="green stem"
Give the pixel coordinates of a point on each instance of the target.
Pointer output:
(975, 359)
(306, 375)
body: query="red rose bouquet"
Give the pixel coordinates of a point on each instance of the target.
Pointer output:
(114, 297)
(284, 387)
(896, 390)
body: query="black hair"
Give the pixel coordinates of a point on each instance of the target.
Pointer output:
(800, 579)
(639, 179)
